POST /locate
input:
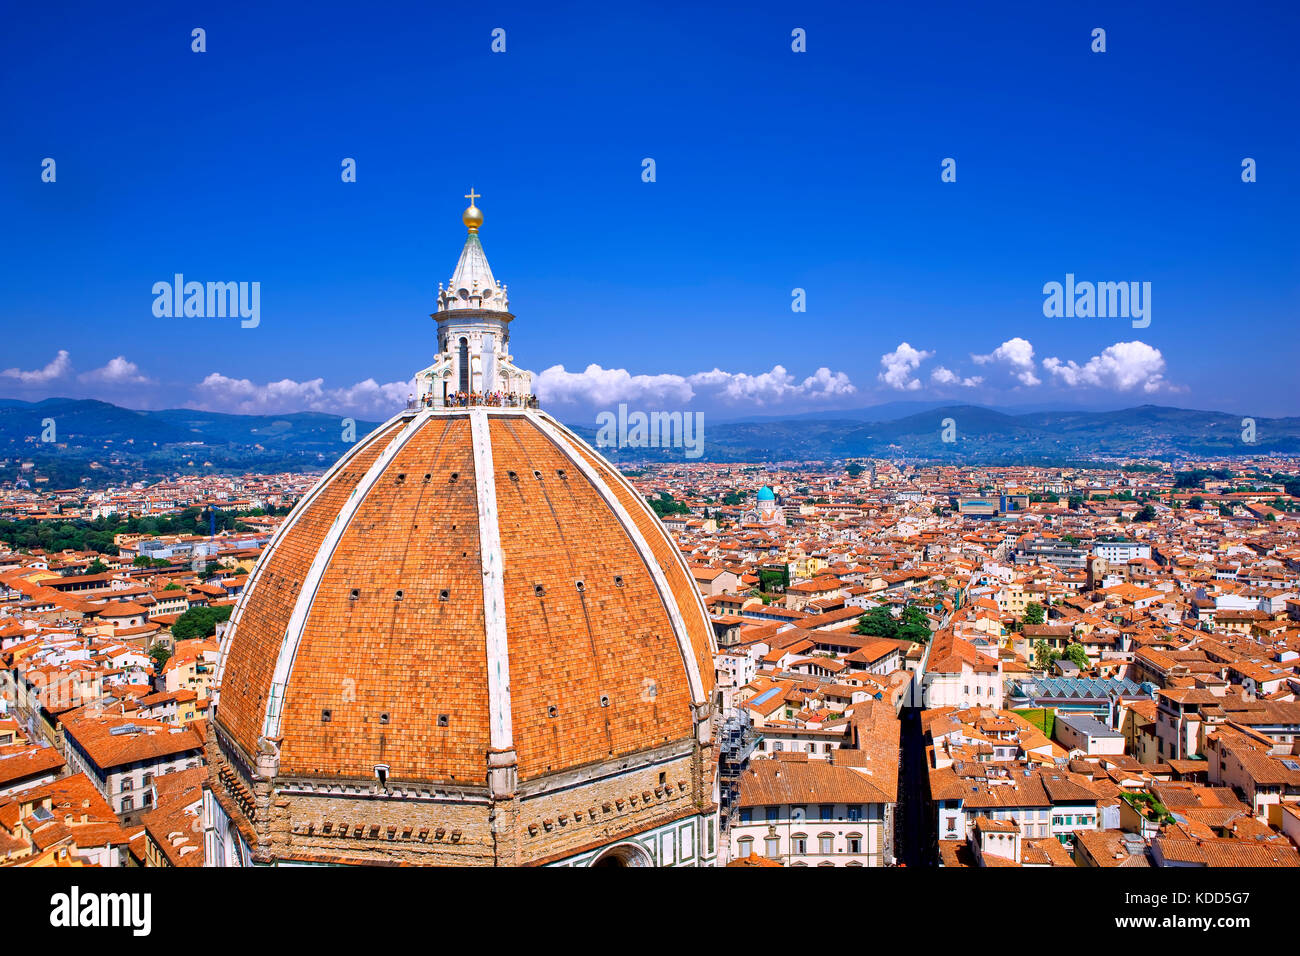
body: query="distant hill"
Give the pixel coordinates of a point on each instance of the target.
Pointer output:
(107, 443)
(83, 421)
(887, 412)
(987, 436)
(111, 444)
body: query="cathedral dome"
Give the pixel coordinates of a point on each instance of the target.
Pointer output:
(471, 643)
(485, 565)
(474, 602)
(766, 494)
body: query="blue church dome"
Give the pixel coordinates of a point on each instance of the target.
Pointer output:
(766, 494)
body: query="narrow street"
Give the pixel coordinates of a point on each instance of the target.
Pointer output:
(914, 826)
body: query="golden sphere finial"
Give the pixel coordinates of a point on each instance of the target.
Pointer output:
(472, 216)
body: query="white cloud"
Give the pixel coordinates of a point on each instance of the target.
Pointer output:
(946, 376)
(775, 385)
(828, 383)
(1016, 353)
(60, 366)
(1122, 366)
(606, 386)
(118, 371)
(897, 367)
(217, 392)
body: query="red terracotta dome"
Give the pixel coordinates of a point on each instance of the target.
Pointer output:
(463, 582)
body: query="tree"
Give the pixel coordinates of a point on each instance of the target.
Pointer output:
(1196, 502)
(96, 567)
(913, 626)
(1034, 614)
(878, 622)
(1146, 514)
(1077, 655)
(200, 622)
(160, 656)
(773, 579)
(854, 469)
(1044, 656)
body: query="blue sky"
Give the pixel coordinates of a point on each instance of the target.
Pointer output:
(775, 170)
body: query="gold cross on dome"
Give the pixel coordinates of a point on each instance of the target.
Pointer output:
(471, 195)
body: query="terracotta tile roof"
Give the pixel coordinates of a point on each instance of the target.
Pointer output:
(271, 593)
(595, 668)
(28, 762)
(1274, 853)
(771, 782)
(136, 738)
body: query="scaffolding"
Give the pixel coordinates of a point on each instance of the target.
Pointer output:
(737, 740)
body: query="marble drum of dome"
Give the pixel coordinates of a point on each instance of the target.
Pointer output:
(471, 643)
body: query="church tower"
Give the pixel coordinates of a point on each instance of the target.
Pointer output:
(473, 332)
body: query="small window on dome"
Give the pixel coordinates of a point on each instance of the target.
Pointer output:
(552, 711)
(514, 476)
(444, 720)
(401, 477)
(355, 593)
(539, 590)
(444, 594)
(537, 474)
(455, 476)
(325, 716)
(580, 585)
(618, 580)
(562, 474)
(383, 718)
(427, 477)
(398, 594)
